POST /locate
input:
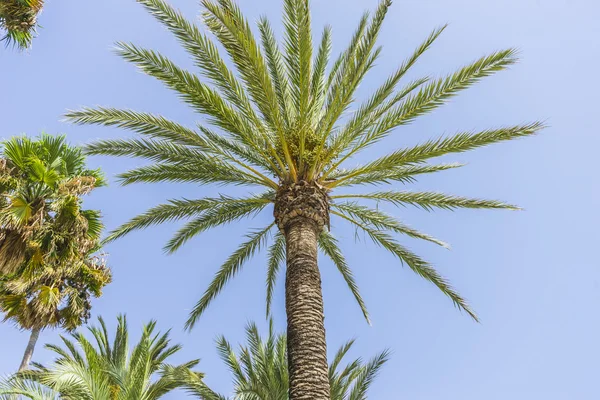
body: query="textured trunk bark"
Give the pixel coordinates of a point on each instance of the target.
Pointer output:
(35, 334)
(307, 350)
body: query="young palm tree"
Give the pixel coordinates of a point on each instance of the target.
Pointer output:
(260, 371)
(282, 121)
(105, 369)
(48, 267)
(18, 18)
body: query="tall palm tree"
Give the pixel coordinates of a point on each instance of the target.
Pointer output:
(18, 18)
(105, 369)
(282, 121)
(260, 371)
(49, 268)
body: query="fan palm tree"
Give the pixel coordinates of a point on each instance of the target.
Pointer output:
(18, 18)
(49, 269)
(282, 121)
(105, 369)
(260, 371)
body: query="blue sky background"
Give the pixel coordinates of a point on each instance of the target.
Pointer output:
(533, 276)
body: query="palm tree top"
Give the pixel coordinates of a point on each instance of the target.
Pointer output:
(49, 244)
(284, 118)
(260, 368)
(105, 368)
(18, 18)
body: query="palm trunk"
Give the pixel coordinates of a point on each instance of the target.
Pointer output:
(307, 350)
(35, 334)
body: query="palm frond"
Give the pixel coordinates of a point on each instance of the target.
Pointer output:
(319, 78)
(367, 375)
(172, 211)
(429, 200)
(417, 264)
(435, 148)
(298, 54)
(205, 55)
(231, 267)
(227, 209)
(200, 96)
(381, 220)
(329, 246)
(212, 170)
(276, 259)
(437, 92)
(230, 27)
(277, 70)
(354, 66)
(404, 174)
(373, 108)
(153, 126)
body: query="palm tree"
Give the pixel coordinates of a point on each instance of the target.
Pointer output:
(49, 267)
(105, 369)
(282, 121)
(260, 371)
(18, 18)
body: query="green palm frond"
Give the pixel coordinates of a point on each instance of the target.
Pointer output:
(373, 109)
(9, 388)
(356, 62)
(418, 265)
(276, 259)
(404, 174)
(382, 221)
(329, 246)
(225, 20)
(205, 54)
(435, 148)
(231, 267)
(228, 210)
(428, 200)
(153, 126)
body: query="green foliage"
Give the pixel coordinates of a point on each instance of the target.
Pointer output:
(18, 18)
(103, 369)
(260, 369)
(280, 112)
(49, 269)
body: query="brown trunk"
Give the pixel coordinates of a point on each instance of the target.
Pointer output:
(33, 338)
(307, 350)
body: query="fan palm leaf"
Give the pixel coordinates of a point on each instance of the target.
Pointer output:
(105, 368)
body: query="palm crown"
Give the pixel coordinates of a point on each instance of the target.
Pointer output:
(106, 369)
(260, 369)
(48, 266)
(281, 120)
(19, 19)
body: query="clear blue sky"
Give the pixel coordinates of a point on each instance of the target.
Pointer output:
(533, 276)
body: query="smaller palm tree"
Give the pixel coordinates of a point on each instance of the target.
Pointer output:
(49, 267)
(19, 19)
(260, 370)
(105, 369)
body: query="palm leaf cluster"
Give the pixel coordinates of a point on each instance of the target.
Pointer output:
(18, 18)
(260, 369)
(279, 113)
(105, 369)
(49, 268)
